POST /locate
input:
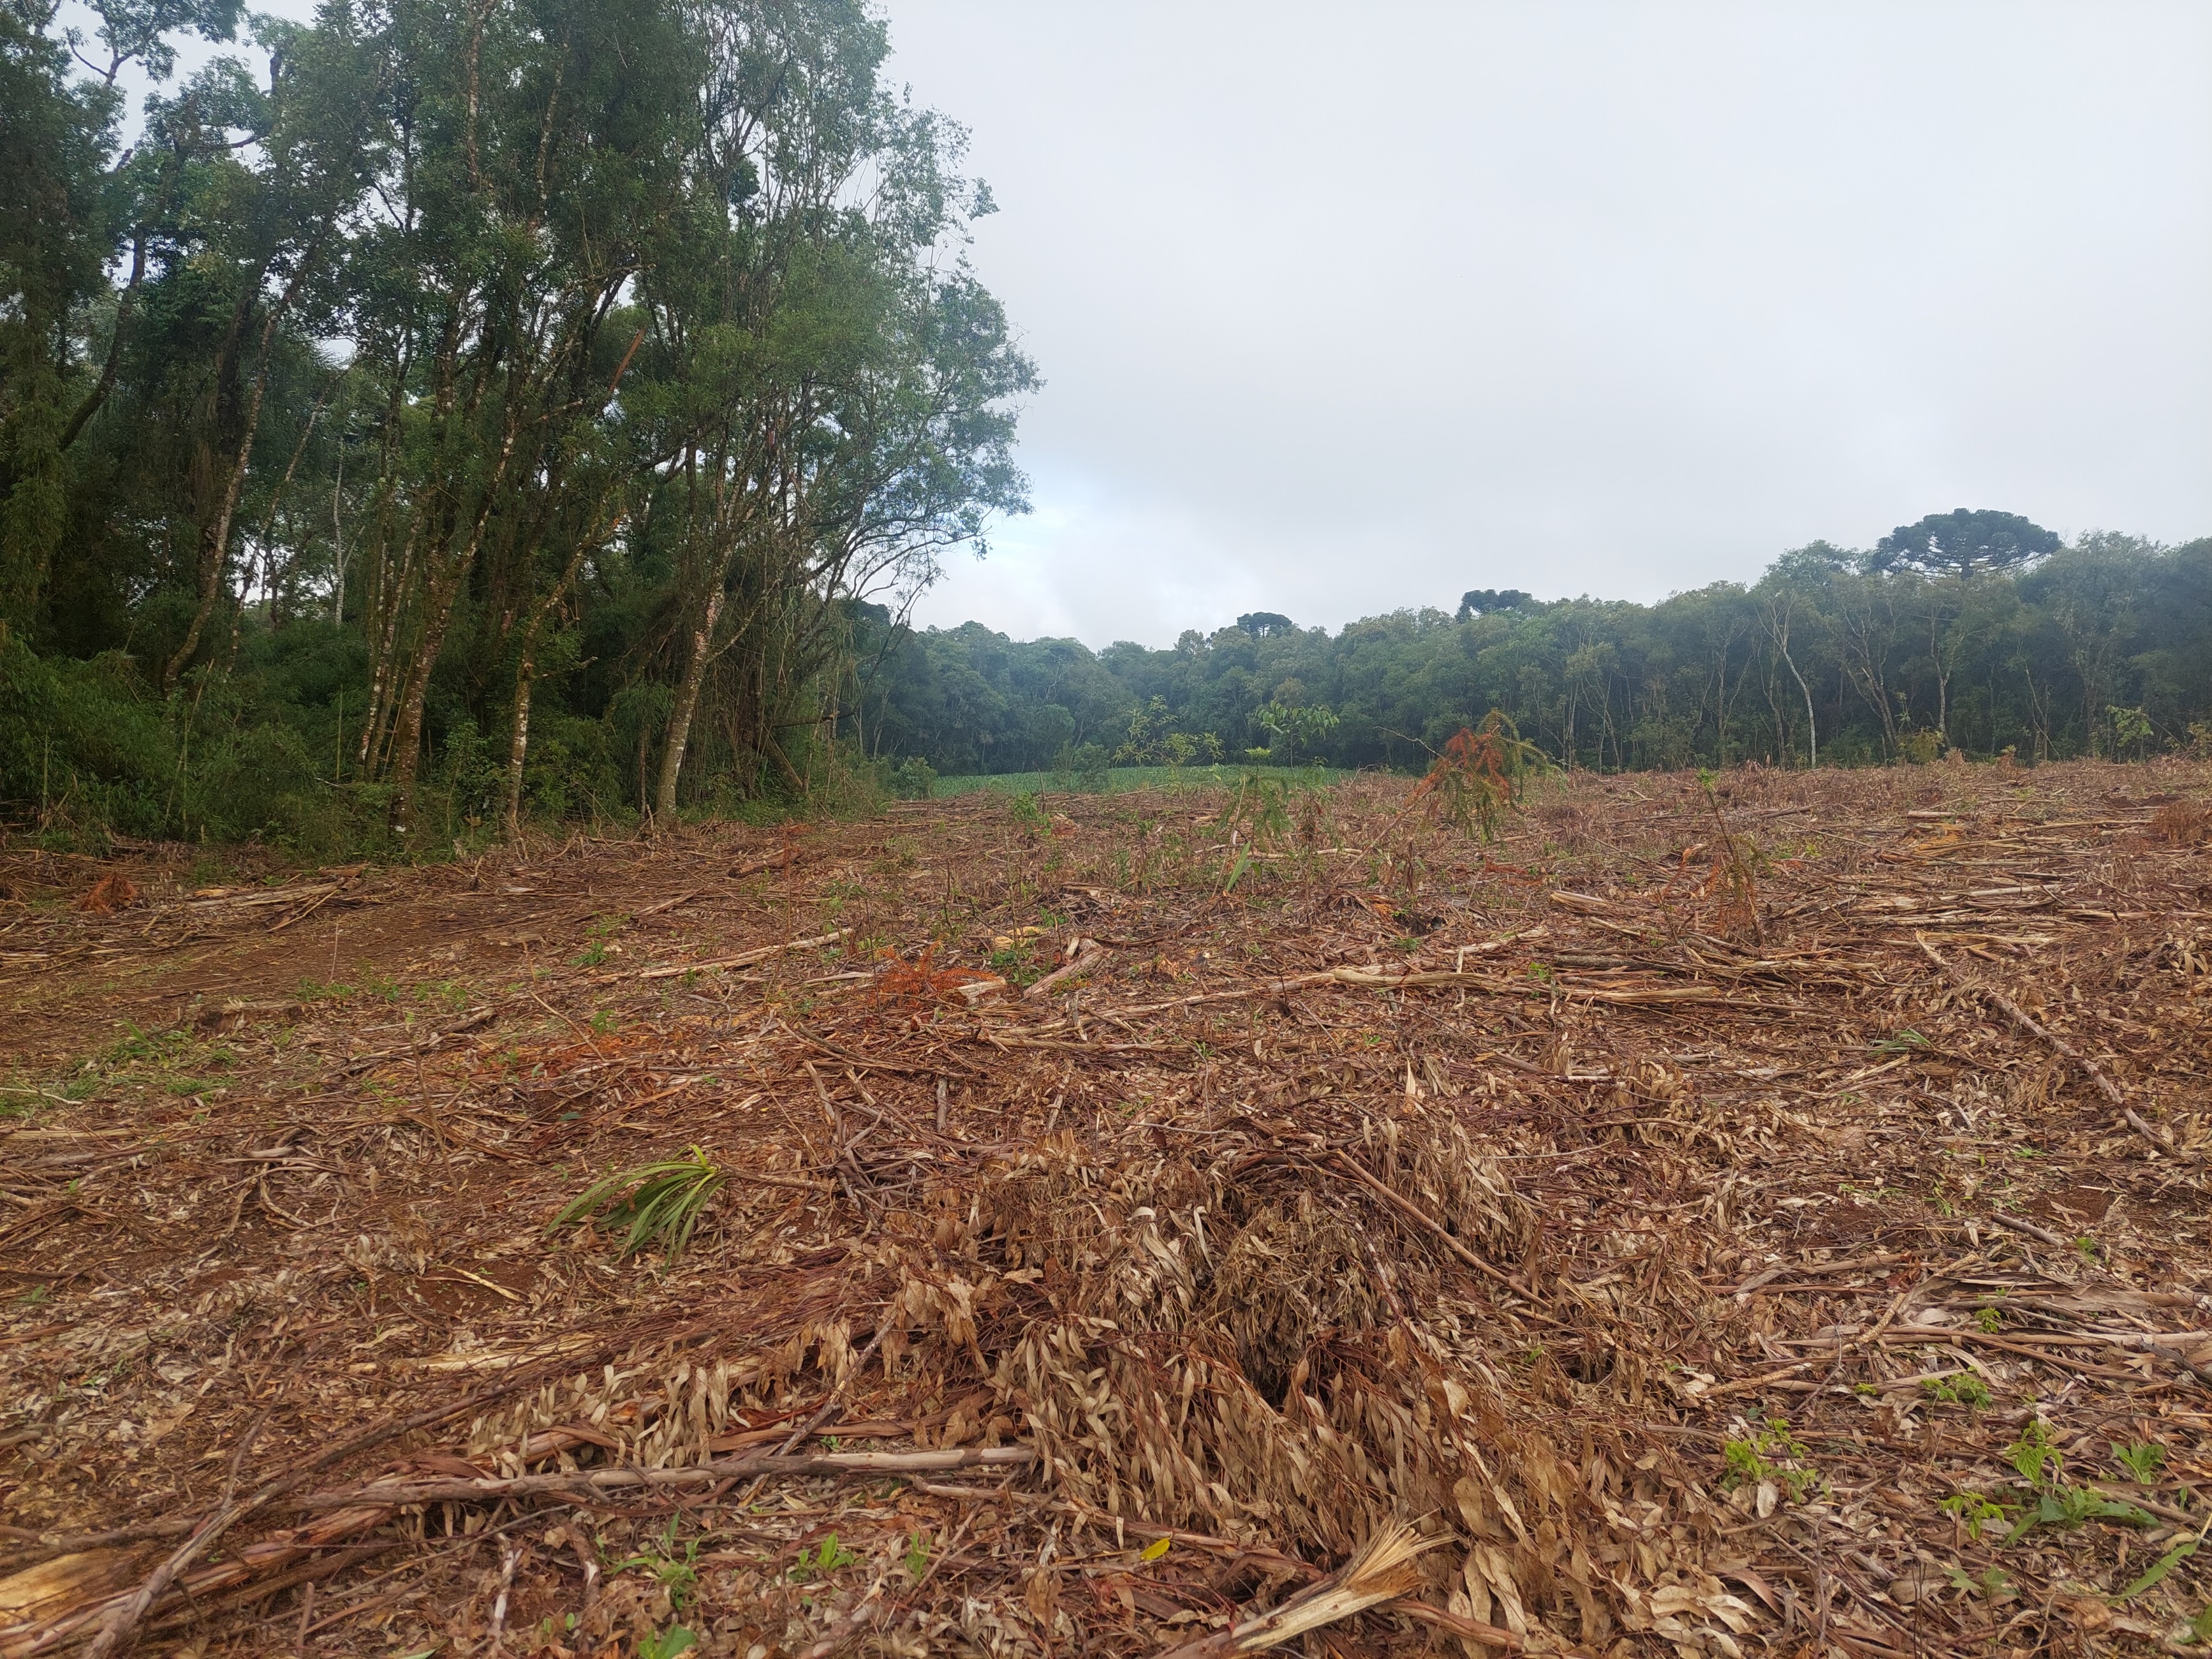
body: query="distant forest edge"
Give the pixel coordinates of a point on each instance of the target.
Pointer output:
(1974, 630)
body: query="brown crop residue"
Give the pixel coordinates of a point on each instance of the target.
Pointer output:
(1670, 1229)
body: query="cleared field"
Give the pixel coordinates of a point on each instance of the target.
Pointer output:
(1772, 1220)
(1126, 780)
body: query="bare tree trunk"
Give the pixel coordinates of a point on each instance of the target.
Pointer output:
(407, 726)
(684, 708)
(518, 743)
(1811, 732)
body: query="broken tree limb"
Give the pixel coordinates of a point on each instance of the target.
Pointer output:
(1085, 963)
(2059, 1045)
(744, 959)
(1420, 1219)
(2017, 1225)
(586, 1484)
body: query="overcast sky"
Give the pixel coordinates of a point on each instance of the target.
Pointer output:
(1348, 307)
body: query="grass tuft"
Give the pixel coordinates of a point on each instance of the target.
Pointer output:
(657, 1202)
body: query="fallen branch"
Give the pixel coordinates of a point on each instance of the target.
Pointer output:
(2016, 1224)
(744, 959)
(1082, 964)
(1421, 1218)
(2018, 1016)
(121, 1616)
(586, 1484)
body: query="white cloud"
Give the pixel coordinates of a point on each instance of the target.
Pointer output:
(1345, 309)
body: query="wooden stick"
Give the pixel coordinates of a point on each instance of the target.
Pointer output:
(1082, 964)
(586, 1484)
(744, 959)
(2031, 1229)
(1421, 1218)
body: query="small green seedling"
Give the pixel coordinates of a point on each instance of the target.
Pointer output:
(1994, 1585)
(2036, 1455)
(1771, 1453)
(1966, 1389)
(1973, 1511)
(2142, 1460)
(917, 1555)
(678, 1572)
(667, 1644)
(599, 938)
(827, 1557)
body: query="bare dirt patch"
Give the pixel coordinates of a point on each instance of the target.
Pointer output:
(1773, 1220)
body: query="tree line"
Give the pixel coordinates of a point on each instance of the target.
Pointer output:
(1977, 631)
(451, 411)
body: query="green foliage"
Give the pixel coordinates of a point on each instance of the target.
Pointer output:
(1975, 1511)
(1965, 1389)
(597, 937)
(1082, 766)
(913, 778)
(2066, 1507)
(1769, 1452)
(1151, 738)
(659, 1202)
(1296, 726)
(2035, 1453)
(2143, 1461)
(677, 1571)
(1993, 1585)
(2158, 1570)
(827, 1557)
(1895, 661)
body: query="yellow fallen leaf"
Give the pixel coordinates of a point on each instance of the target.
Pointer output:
(1153, 1550)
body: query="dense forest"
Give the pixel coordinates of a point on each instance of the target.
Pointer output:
(443, 414)
(1971, 630)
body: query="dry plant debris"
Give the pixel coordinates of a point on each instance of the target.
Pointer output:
(1767, 1217)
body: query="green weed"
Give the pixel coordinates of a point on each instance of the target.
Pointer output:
(678, 1572)
(1771, 1453)
(598, 939)
(2035, 1454)
(2158, 1570)
(1974, 1511)
(1966, 1389)
(825, 1558)
(660, 1201)
(2143, 1461)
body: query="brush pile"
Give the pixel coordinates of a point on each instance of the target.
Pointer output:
(1766, 1215)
